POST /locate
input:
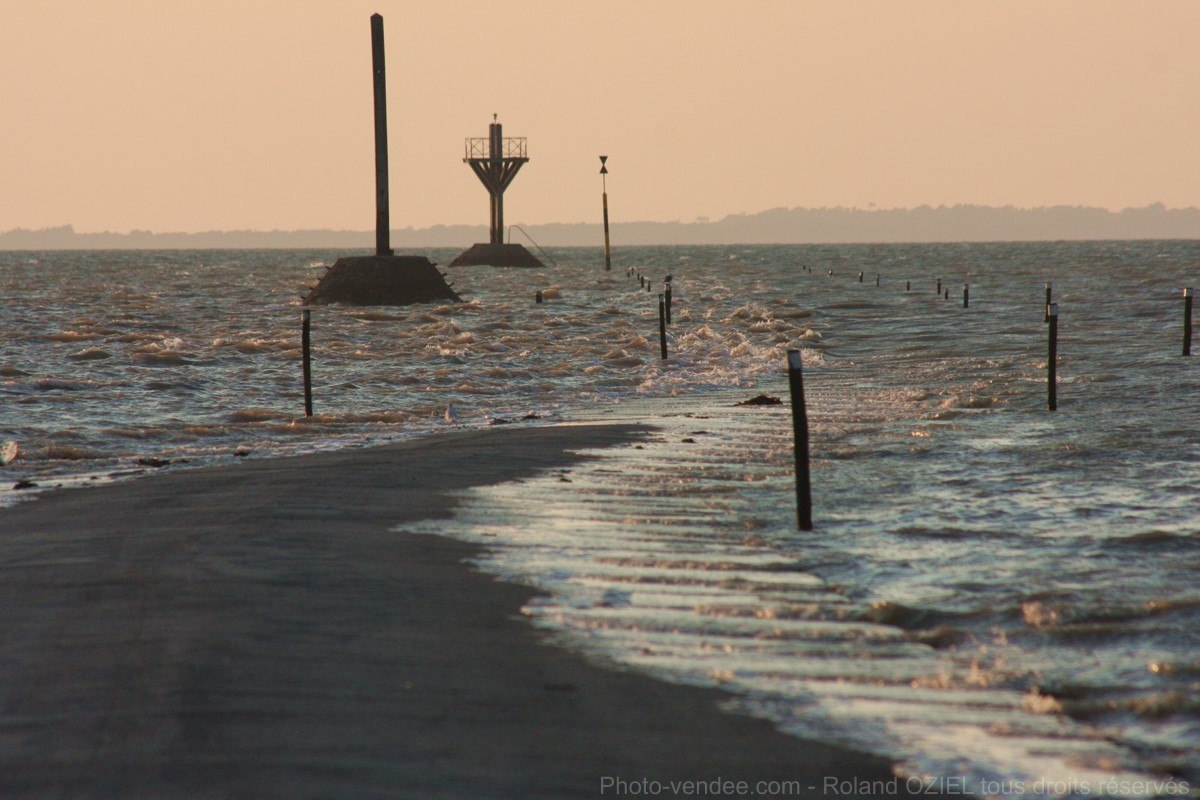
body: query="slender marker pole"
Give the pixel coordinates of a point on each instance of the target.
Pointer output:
(306, 348)
(383, 245)
(1052, 361)
(939, 289)
(800, 439)
(667, 296)
(966, 296)
(1187, 321)
(604, 183)
(662, 326)
(908, 286)
(876, 278)
(1048, 301)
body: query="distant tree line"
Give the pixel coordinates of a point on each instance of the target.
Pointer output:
(960, 223)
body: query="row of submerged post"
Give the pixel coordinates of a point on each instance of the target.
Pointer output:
(795, 369)
(664, 305)
(800, 412)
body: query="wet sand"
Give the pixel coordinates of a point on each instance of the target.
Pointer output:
(256, 631)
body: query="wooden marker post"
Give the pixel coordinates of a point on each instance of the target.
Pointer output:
(662, 326)
(908, 286)
(667, 296)
(1187, 321)
(876, 278)
(383, 233)
(537, 298)
(604, 183)
(1052, 361)
(306, 350)
(966, 296)
(1048, 287)
(800, 440)
(939, 289)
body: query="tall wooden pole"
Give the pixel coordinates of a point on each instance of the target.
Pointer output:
(306, 353)
(604, 183)
(800, 441)
(1052, 359)
(1187, 321)
(383, 245)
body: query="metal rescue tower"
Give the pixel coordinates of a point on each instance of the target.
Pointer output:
(496, 160)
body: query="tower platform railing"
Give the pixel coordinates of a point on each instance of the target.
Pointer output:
(513, 147)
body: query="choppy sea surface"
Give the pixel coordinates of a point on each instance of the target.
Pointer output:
(998, 596)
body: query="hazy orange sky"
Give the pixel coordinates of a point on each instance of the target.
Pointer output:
(221, 114)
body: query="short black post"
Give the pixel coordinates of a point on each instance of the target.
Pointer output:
(939, 289)
(966, 296)
(667, 296)
(876, 278)
(946, 296)
(537, 298)
(306, 348)
(641, 280)
(1187, 321)
(1052, 361)
(800, 440)
(1048, 301)
(662, 326)
(860, 277)
(908, 286)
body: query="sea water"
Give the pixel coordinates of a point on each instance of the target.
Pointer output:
(993, 594)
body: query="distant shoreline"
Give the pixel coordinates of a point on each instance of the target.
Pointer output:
(923, 225)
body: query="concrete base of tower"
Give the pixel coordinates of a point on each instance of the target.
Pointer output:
(496, 255)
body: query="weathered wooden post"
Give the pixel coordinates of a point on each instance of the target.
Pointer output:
(667, 295)
(908, 286)
(1052, 361)
(383, 246)
(939, 289)
(662, 326)
(1048, 292)
(604, 183)
(306, 350)
(1187, 321)
(537, 297)
(966, 296)
(800, 441)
